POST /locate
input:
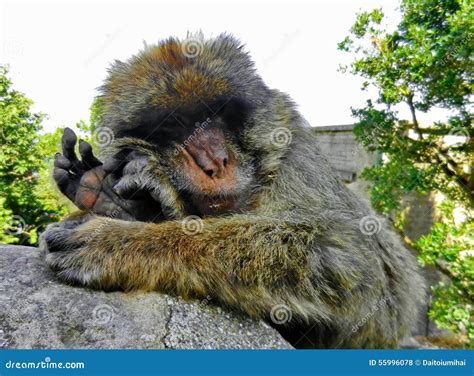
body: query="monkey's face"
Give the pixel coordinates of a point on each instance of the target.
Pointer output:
(202, 150)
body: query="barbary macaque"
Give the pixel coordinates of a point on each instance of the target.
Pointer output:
(273, 225)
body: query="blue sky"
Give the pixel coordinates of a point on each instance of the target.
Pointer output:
(58, 52)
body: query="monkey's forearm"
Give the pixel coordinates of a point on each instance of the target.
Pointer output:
(248, 263)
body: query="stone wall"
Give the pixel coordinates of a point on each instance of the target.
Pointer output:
(345, 154)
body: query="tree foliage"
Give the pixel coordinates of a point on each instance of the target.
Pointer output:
(450, 247)
(426, 63)
(28, 199)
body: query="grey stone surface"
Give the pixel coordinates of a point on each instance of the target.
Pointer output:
(344, 153)
(37, 311)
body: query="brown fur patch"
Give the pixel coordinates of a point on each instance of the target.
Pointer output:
(189, 87)
(170, 78)
(170, 53)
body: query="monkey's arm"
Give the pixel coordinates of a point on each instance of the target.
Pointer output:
(246, 262)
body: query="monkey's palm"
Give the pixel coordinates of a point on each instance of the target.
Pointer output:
(89, 184)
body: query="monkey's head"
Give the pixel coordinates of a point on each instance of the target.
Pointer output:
(195, 99)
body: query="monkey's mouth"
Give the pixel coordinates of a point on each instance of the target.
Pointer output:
(214, 205)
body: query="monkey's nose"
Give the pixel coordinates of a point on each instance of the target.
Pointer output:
(209, 151)
(214, 165)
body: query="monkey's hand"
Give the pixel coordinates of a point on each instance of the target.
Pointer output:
(89, 184)
(68, 262)
(72, 248)
(145, 174)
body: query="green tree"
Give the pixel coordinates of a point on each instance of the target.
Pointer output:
(28, 199)
(449, 246)
(424, 64)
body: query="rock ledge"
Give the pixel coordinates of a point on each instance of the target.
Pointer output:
(37, 311)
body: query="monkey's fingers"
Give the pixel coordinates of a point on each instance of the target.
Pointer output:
(62, 162)
(114, 166)
(88, 158)
(57, 238)
(68, 142)
(136, 165)
(67, 183)
(129, 187)
(133, 181)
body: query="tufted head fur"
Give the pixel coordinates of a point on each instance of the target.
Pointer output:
(179, 72)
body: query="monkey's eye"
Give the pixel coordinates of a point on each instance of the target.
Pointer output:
(235, 113)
